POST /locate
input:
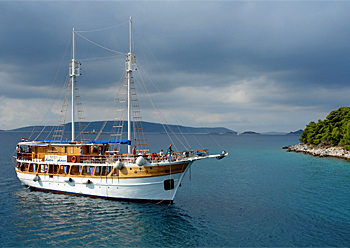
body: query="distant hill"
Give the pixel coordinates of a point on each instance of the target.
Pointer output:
(249, 133)
(272, 133)
(299, 132)
(148, 126)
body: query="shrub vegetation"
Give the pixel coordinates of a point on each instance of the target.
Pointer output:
(335, 129)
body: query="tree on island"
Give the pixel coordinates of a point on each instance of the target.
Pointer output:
(334, 130)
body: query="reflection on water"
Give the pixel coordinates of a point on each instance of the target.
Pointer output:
(46, 219)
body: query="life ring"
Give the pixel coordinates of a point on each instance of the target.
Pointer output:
(74, 159)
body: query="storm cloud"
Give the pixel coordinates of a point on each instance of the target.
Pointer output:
(262, 66)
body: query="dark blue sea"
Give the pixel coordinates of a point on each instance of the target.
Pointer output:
(259, 195)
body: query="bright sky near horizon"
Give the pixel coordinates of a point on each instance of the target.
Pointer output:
(245, 65)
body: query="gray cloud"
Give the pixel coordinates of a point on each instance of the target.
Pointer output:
(249, 65)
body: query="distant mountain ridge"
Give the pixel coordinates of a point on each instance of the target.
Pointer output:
(149, 127)
(299, 132)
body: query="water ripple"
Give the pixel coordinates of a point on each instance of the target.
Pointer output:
(59, 220)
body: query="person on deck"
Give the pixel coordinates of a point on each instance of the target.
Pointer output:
(134, 151)
(170, 151)
(161, 154)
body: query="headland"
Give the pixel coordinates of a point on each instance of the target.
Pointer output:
(321, 151)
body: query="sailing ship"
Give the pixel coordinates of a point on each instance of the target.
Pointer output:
(96, 168)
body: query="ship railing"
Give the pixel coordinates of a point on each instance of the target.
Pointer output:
(112, 158)
(24, 156)
(150, 157)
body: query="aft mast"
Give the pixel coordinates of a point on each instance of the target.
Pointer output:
(74, 72)
(129, 71)
(73, 78)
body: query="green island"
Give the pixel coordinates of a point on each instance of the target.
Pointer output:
(333, 131)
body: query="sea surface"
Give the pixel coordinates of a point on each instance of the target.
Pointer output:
(259, 195)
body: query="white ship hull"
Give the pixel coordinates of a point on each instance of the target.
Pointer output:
(149, 189)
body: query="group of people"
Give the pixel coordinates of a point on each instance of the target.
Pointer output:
(156, 156)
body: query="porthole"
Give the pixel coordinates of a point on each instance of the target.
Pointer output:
(169, 184)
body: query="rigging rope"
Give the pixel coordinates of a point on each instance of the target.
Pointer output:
(111, 108)
(183, 101)
(160, 114)
(66, 86)
(100, 45)
(96, 30)
(49, 94)
(172, 110)
(102, 57)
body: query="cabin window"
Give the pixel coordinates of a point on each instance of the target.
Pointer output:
(85, 170)
(63, 169)
(75, 169)
(169, 184)
(92, 170)
(104, 170)
(88, 170)
(33, 167)
(53, 169)
(95, 149)
(23, 167)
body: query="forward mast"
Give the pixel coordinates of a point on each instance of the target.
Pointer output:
(129, 70)
(74, 72)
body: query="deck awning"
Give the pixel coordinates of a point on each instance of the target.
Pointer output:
(28, 143)
(91, 142)
(55, 141)
(105, 142)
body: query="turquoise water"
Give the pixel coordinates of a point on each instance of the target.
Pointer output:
(258, 196)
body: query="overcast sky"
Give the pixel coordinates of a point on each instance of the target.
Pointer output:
(261, 66)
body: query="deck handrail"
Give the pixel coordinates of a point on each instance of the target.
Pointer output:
(124, 157)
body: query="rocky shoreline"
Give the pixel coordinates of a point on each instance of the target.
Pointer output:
(324, 151)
